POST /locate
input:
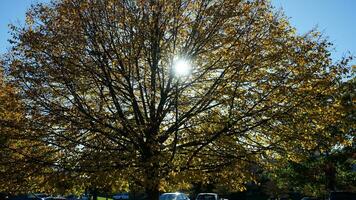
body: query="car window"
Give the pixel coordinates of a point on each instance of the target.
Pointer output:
(180, 197)
(206, 197)
(168, 197)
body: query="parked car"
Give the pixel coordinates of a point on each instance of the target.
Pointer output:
(342, 196)
(207, 196)
(39, 196)
(309, 198)
(4, 196)
(55, 198)
(71, 197)
(174, 196)
(121, 196)
(84, 197)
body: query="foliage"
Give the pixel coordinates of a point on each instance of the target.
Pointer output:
(330, 166)
(311, 176)
(12, 148)
(100, 91)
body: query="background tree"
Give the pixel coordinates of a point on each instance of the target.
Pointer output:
(14, 163)
(99, 85)
(10, 116)
(329, 166)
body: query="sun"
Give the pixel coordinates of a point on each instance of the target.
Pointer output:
(181, 67)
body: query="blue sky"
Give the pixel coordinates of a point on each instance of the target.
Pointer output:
(12, 11)
(335, 18)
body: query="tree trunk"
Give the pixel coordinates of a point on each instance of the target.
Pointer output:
(152, 181)
(330, 175)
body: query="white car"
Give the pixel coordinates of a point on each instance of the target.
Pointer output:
(174, 196)
(39, 196)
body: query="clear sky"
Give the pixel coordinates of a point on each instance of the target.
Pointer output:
(335, 18)
(12, 11)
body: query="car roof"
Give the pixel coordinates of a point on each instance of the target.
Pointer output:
(172, 193)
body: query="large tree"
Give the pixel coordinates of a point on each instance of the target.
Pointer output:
(101, 91)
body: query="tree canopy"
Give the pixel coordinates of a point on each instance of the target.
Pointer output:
(330, 166)
(14, 167)
(100, 90)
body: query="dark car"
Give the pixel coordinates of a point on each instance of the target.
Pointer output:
(207, 196)
(71, 197)
(342, 196)
(310, 198)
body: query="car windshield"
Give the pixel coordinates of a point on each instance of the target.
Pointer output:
(206, 197)
(168, 197)
(38, 195)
